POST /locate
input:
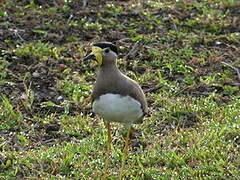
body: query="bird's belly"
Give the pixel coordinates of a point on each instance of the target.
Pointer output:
(117, 108)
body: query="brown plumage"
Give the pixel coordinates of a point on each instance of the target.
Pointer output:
(111, 80)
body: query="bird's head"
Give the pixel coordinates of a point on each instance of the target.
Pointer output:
(104, 53)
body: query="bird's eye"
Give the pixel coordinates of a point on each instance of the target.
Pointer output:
(106, 50)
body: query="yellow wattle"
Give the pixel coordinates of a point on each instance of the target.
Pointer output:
(97, 51)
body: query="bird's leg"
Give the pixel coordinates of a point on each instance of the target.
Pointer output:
(109, 137)
(127, 142)
(108, 148)
(125, 152)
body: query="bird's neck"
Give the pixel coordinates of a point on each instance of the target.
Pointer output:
(107, 68)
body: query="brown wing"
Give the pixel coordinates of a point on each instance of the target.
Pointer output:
(119, 84)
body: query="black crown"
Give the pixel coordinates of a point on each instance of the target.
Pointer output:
(104, 45)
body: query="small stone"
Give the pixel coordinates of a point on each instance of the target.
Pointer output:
(23, 96)
(59, 98)
(35, 74)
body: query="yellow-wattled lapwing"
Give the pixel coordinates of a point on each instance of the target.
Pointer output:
(116, 97)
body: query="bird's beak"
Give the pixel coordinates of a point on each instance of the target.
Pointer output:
(90, 56)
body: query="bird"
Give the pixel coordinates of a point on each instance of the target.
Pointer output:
(115, 96)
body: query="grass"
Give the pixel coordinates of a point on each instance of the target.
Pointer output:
(187, 61)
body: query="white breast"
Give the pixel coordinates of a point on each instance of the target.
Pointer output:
(117, 108)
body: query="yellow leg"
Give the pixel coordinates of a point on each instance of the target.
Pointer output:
(108, 149)
(125, 153)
